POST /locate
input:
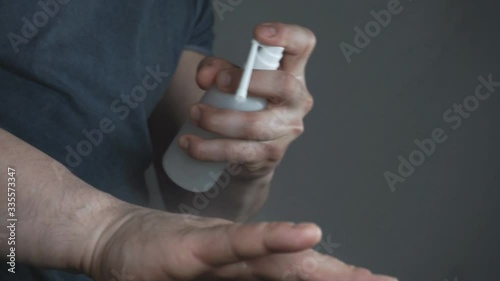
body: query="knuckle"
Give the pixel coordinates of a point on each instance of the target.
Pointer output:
(228, 153)
(206, 121)
(211, 120)
(232, 231)
(246, 152)
(298, 130)
(275, 152)
(274, 127)
(308, 103)
(265, 133)
(196, 151)
(253, 126)
(289, 85)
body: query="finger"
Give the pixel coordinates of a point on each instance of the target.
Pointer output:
(209, 68)
(276, 86)
(306, 265)
(311, 266)
(298, 41)
(238, 242)
(231, 150)
(262, 125)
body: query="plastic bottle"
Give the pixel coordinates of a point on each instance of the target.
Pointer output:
(200, 176)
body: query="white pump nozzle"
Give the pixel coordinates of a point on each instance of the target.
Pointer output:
(267, 58)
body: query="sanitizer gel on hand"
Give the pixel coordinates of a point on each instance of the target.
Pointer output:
(200, 176)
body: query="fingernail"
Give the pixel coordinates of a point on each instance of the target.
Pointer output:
(314, 230)
(195, 114)
(268, 30)
(224, 79)
(184, 143)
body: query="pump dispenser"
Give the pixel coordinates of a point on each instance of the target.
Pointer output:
(200, 176)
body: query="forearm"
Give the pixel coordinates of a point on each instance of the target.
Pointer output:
(57, 213)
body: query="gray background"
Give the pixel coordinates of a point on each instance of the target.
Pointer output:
(443, 221)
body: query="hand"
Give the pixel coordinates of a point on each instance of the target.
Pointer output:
(151, 245)
(256, 140)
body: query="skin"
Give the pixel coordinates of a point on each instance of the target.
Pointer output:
(68, 224)
(255, 140)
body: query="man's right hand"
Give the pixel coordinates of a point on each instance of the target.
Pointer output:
(144, 244)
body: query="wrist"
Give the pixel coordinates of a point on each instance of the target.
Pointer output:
(99, 226)
(250, 174)
(60, 228)
(250, 193)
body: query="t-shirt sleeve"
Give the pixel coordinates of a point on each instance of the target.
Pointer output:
(202, 35)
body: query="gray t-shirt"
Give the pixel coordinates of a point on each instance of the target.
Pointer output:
(79, 80)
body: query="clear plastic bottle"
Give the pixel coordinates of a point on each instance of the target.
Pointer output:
(200, 176)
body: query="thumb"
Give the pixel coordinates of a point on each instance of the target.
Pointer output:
(229, 243)
(208, 71)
